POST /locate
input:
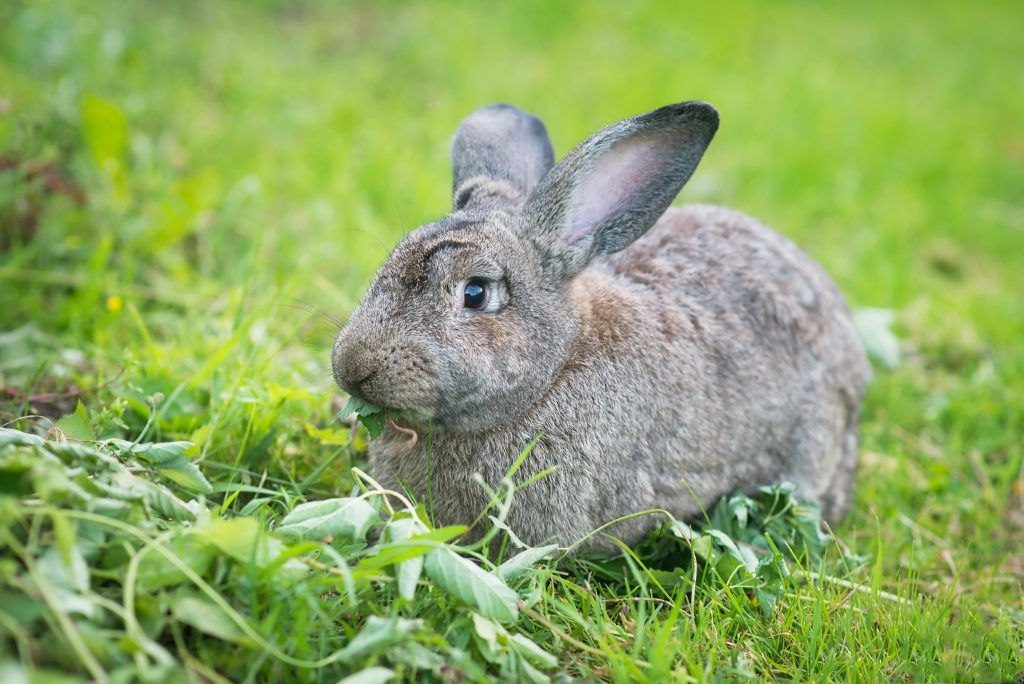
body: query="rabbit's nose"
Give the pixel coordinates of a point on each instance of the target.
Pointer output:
(358, 384)
(354, 366)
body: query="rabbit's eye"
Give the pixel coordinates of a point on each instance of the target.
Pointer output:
(474, 296)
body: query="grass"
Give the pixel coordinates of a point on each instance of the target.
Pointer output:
(192, 198)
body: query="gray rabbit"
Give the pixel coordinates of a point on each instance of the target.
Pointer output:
(665, 357)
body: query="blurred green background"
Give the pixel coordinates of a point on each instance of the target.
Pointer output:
(193, 195)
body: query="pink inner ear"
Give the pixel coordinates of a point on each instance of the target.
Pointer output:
(614, 180)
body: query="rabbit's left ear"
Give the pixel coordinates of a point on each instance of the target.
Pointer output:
(499, 153)
(615, 185)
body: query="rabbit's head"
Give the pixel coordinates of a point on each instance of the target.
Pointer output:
(471, 317)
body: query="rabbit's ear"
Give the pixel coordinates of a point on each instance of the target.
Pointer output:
(614, 186)
(498, 155)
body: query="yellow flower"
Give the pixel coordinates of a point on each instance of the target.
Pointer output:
(114, 303)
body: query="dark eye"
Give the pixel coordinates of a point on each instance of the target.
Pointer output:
(475, 295)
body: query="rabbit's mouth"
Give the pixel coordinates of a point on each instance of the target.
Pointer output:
(413, 406)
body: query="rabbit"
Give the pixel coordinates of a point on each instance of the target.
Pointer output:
(663, 357)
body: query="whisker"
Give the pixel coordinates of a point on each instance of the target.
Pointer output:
(314, 311)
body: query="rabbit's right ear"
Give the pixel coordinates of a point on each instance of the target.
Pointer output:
(614, 186)
(499, 153)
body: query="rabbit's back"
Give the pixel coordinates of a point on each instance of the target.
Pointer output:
(755, 337)
(722, 268)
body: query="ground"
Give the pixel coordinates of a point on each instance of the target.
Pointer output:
(192, 198)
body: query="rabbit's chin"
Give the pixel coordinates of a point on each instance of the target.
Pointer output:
(495, 414)
(416, 418)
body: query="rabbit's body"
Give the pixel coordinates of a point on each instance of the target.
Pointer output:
(663, 366)
(733, 306)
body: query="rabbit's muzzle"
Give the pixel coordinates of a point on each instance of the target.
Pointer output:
(389, 373)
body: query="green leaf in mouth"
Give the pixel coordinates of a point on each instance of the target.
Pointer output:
(370, 415)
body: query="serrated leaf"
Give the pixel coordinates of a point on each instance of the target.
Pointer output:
(370, 415)
(125, 486)
(471, 584)
(523, 562)
(374, 424)
(76, 425)
(348, 518)
(170, 459)
(12, 438)
(360, 407)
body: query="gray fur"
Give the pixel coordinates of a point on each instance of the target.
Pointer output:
(664, 366)
(498, 155)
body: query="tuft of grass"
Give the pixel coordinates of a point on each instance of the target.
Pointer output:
(193, 197)
(120, 565)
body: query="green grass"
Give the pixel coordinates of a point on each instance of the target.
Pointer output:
(192, 197)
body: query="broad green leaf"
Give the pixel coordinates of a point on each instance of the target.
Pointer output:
(346, 518)
(523, 562)
(702, 545)
(371, 675)
(875, 329)
(67, 581)
(474, 586)
(771, 571)
(156, 572)
(13, 672)
(64, 535)
(407, 572)
(378, 634)
(72, 575)
(726, 542)
(389, 555)
(241, 538)
(529, 674)
(245, 540)
(199, 612)
(532, 652)
(21, 607)
(486, 631)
